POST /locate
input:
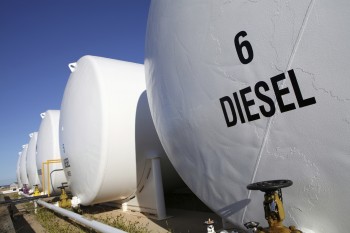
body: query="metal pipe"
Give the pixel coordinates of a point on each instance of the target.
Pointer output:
(26, 195)
(27, 198)
(53, 188)
(48, 172)
(43, 176)
(47, 163)
(48, 177)
(87, 222)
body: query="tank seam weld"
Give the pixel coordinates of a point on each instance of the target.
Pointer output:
(291, 58)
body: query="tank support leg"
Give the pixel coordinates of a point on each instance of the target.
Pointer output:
(157, 174)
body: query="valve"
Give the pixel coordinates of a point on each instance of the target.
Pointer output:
(64, 201)
(210, 225)
(273, 207)
(25, 189)
(252, 226)
(36, 190)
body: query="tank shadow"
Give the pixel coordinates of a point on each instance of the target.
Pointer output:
(186, 213)
(233, 208)
(97, 209)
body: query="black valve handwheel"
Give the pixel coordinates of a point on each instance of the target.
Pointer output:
(63, 185)
(251, 225)
(270, 185)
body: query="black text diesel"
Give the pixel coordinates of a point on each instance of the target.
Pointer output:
(227, 104)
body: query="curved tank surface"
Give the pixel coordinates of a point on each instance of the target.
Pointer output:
(32, 170)
(48, 151)
(106, 131)
(247, 91)
(23, 165)
(18, 170)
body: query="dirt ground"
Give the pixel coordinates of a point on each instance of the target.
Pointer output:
(178, 221)
(6, 225)
(25, 221)
(16, 218)
(187, 217)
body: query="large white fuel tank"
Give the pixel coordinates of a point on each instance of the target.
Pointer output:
(23, 165)
(32, 170)
(48, 151)
(245, 91)
(18, 170)
(106, 131)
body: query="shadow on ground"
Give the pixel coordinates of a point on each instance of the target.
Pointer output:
(187, 213)
(19, 222)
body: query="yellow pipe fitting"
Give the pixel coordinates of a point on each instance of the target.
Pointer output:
(47, 163)
(273, 207)
(64, 202)
(36, 191)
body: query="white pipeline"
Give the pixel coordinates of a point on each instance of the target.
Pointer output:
(26, 195)
(87, 222)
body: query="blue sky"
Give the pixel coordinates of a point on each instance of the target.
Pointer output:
(38, 39)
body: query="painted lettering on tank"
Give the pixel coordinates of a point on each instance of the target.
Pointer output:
(231, 105)
(229, 108)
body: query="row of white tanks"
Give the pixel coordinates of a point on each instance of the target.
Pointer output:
(203, 59)
(42, 147)
(103, 135)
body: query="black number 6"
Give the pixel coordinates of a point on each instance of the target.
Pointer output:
(239, 47)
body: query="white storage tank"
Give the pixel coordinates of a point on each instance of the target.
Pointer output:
(246, 91)
(18, 170)
(23, 165)
(106, 131)
(48, 151)
(32, 170)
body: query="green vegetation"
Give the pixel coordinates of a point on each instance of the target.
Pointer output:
(121, 223)
(55, 223)
(10, 195)
(13, 195)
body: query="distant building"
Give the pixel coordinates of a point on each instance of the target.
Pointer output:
(14, 186)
